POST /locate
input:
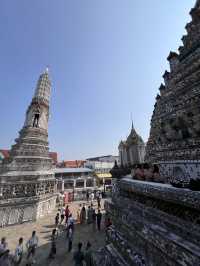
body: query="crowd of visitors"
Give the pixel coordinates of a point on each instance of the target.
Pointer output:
(64, 224)
(146, 172)
(8, 259)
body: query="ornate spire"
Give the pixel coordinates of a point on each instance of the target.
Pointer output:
(37, 114)
(132, 127)
(43, 87)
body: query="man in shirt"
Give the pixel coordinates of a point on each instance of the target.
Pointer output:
(3, 245)
(19, 252)
(31, 245)
(99, 216)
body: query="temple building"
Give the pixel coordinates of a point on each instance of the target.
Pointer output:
(131, 151)
(27, 181)
(175, 125)
(159, 223)
(75, 182)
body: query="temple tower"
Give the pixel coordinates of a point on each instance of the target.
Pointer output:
(175, 125)
(27, 182)
(132, 151)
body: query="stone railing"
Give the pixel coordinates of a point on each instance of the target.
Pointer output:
(25, 190)
(156, 222)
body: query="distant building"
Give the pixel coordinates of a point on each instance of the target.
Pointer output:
(102, 172)
(105, 158)
(75, 181)
(71, 164)
(6, 154)
(131, 151)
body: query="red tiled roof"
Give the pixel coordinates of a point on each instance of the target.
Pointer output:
(72, 164)
(5, 153)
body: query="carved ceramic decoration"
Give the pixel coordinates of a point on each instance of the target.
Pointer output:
(28, 174)
(175, 125)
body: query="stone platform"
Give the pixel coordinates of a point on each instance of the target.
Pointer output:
(155, 224)
(24, 210)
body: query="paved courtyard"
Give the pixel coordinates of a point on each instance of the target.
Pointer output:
(44, 228)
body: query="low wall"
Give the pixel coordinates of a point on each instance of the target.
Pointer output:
(16, 211)
(155, 224)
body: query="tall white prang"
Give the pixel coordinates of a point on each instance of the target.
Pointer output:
(27, 181)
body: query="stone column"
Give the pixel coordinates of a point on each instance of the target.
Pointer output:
(94, 182)
(84, 183)
(1, 191)
(63, 185)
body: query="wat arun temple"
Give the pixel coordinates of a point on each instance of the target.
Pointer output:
(157, 223)
(153, 222)
(27, 181)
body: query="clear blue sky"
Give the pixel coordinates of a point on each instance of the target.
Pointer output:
(106, 60)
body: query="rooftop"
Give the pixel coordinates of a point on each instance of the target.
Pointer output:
(72, 170)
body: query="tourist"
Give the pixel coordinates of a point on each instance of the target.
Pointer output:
(18, 252)
(156, 175)
(94, 217)
(89, 215)
(88, 255)
(78, 213)
(70, 238)
(66, 214)
(78, 256)
(97, 194)
(99, 217)
(62, 214)
(57, 220)
(92, 197)
(70, 222)
(139, 173)
(99, 202)
(87, 196)
(148, 174)
(53, 245)
(83, 215)
(100, 195)
(31, 245)
(3, 245)
(5, 259)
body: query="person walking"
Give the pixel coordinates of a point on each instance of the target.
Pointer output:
(88, 257)
(78, 256)
(87, 196)
(70, 222)
(78, 214)
(70, 238)
(99, 217)
(67, 213)
(18, 252)
(53, 245)
(89, 215)
(62, 214)
(83, 215)
(31, 245)
(3, 245)
(92, 197)
(57, 220)
(5, 259)
(94, 217)
(99, 202)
